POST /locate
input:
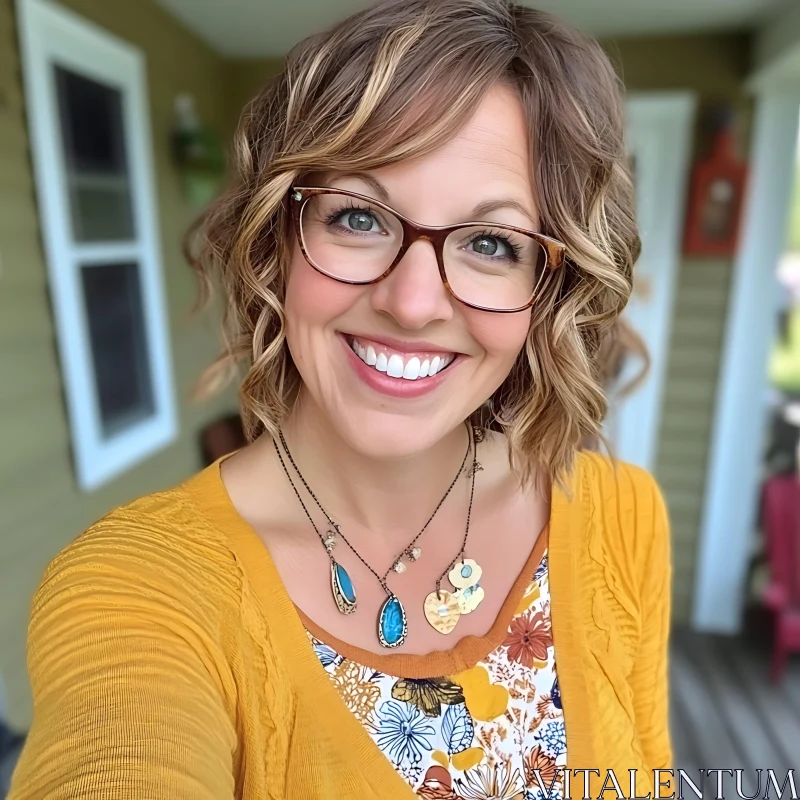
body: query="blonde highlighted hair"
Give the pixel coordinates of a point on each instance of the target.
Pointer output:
(396, 81)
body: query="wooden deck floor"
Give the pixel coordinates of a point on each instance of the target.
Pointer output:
(725, 713)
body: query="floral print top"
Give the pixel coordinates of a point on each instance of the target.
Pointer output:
(478, 735)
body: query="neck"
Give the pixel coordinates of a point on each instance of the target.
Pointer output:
(386, 496)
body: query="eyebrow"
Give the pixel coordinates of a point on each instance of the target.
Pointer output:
(480, 210)
(380, 190)
(493, 205)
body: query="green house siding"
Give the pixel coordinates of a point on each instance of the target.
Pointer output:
(246, 77)
(692, 370)
(41, 509)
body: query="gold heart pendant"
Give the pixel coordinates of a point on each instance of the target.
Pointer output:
(442, 611)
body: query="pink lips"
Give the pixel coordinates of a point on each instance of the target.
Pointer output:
(394, 387)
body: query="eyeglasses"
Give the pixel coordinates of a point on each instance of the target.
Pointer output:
(354, 239)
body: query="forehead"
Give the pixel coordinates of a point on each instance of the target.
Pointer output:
(487, 159)
(495, 141)
(497, 135)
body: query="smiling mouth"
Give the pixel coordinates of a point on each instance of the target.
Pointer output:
(395, 364)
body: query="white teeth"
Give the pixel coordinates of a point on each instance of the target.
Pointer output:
(411, 371)
(395, 368)
(395, 365)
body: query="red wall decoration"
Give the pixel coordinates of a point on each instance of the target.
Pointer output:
(715, 200)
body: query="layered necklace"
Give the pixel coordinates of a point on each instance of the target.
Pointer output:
(441, 607)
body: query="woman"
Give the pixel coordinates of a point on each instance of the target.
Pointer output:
(410, 582)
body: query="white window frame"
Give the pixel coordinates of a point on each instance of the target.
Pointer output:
(49, 33)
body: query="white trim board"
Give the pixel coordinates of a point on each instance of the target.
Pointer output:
(731, 495)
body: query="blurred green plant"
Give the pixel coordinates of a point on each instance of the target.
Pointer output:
(793, 234)
(784, 362)
(199, 154)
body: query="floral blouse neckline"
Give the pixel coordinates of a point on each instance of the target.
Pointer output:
(484, 733)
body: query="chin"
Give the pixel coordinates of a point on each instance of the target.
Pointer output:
(380, 434)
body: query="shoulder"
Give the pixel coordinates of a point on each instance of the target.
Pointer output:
(623, 506)
(616, 480)
(160, 551)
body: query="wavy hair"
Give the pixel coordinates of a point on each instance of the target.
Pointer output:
(396, 81)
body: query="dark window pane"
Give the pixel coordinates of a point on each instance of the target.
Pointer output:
(100, 213)
(91, 122)
(113, 301)
(95, 157)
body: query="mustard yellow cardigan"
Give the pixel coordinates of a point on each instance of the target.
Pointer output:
(167, 660)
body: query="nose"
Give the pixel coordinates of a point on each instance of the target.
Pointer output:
(414, 294)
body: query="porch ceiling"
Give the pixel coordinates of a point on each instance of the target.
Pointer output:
(262, 28)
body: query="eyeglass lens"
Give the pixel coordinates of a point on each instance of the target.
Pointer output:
(486, 265)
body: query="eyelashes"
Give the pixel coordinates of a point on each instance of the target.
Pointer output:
(502, 236)
(332, 217)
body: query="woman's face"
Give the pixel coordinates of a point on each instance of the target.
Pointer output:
(410, 314)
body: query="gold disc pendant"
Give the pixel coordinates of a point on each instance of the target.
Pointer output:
(465, 576)
(442, 611)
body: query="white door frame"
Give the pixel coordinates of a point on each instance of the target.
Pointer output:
(660, 127)
(731, 495)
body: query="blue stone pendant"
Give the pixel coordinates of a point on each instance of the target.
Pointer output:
(343, 591)
(392, 623)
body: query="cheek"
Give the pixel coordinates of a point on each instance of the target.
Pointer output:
(313, 300)
(501, 336)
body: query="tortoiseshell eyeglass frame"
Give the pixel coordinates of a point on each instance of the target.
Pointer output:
(554, 250)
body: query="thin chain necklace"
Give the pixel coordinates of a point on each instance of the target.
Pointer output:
(442, 609)
(329, 541)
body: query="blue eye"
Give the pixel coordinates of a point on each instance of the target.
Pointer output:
(486, 245)
(494, 245)
(356, 220)
(360, 221)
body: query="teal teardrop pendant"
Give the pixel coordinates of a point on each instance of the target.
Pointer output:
(392, 622)
(344, 592)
